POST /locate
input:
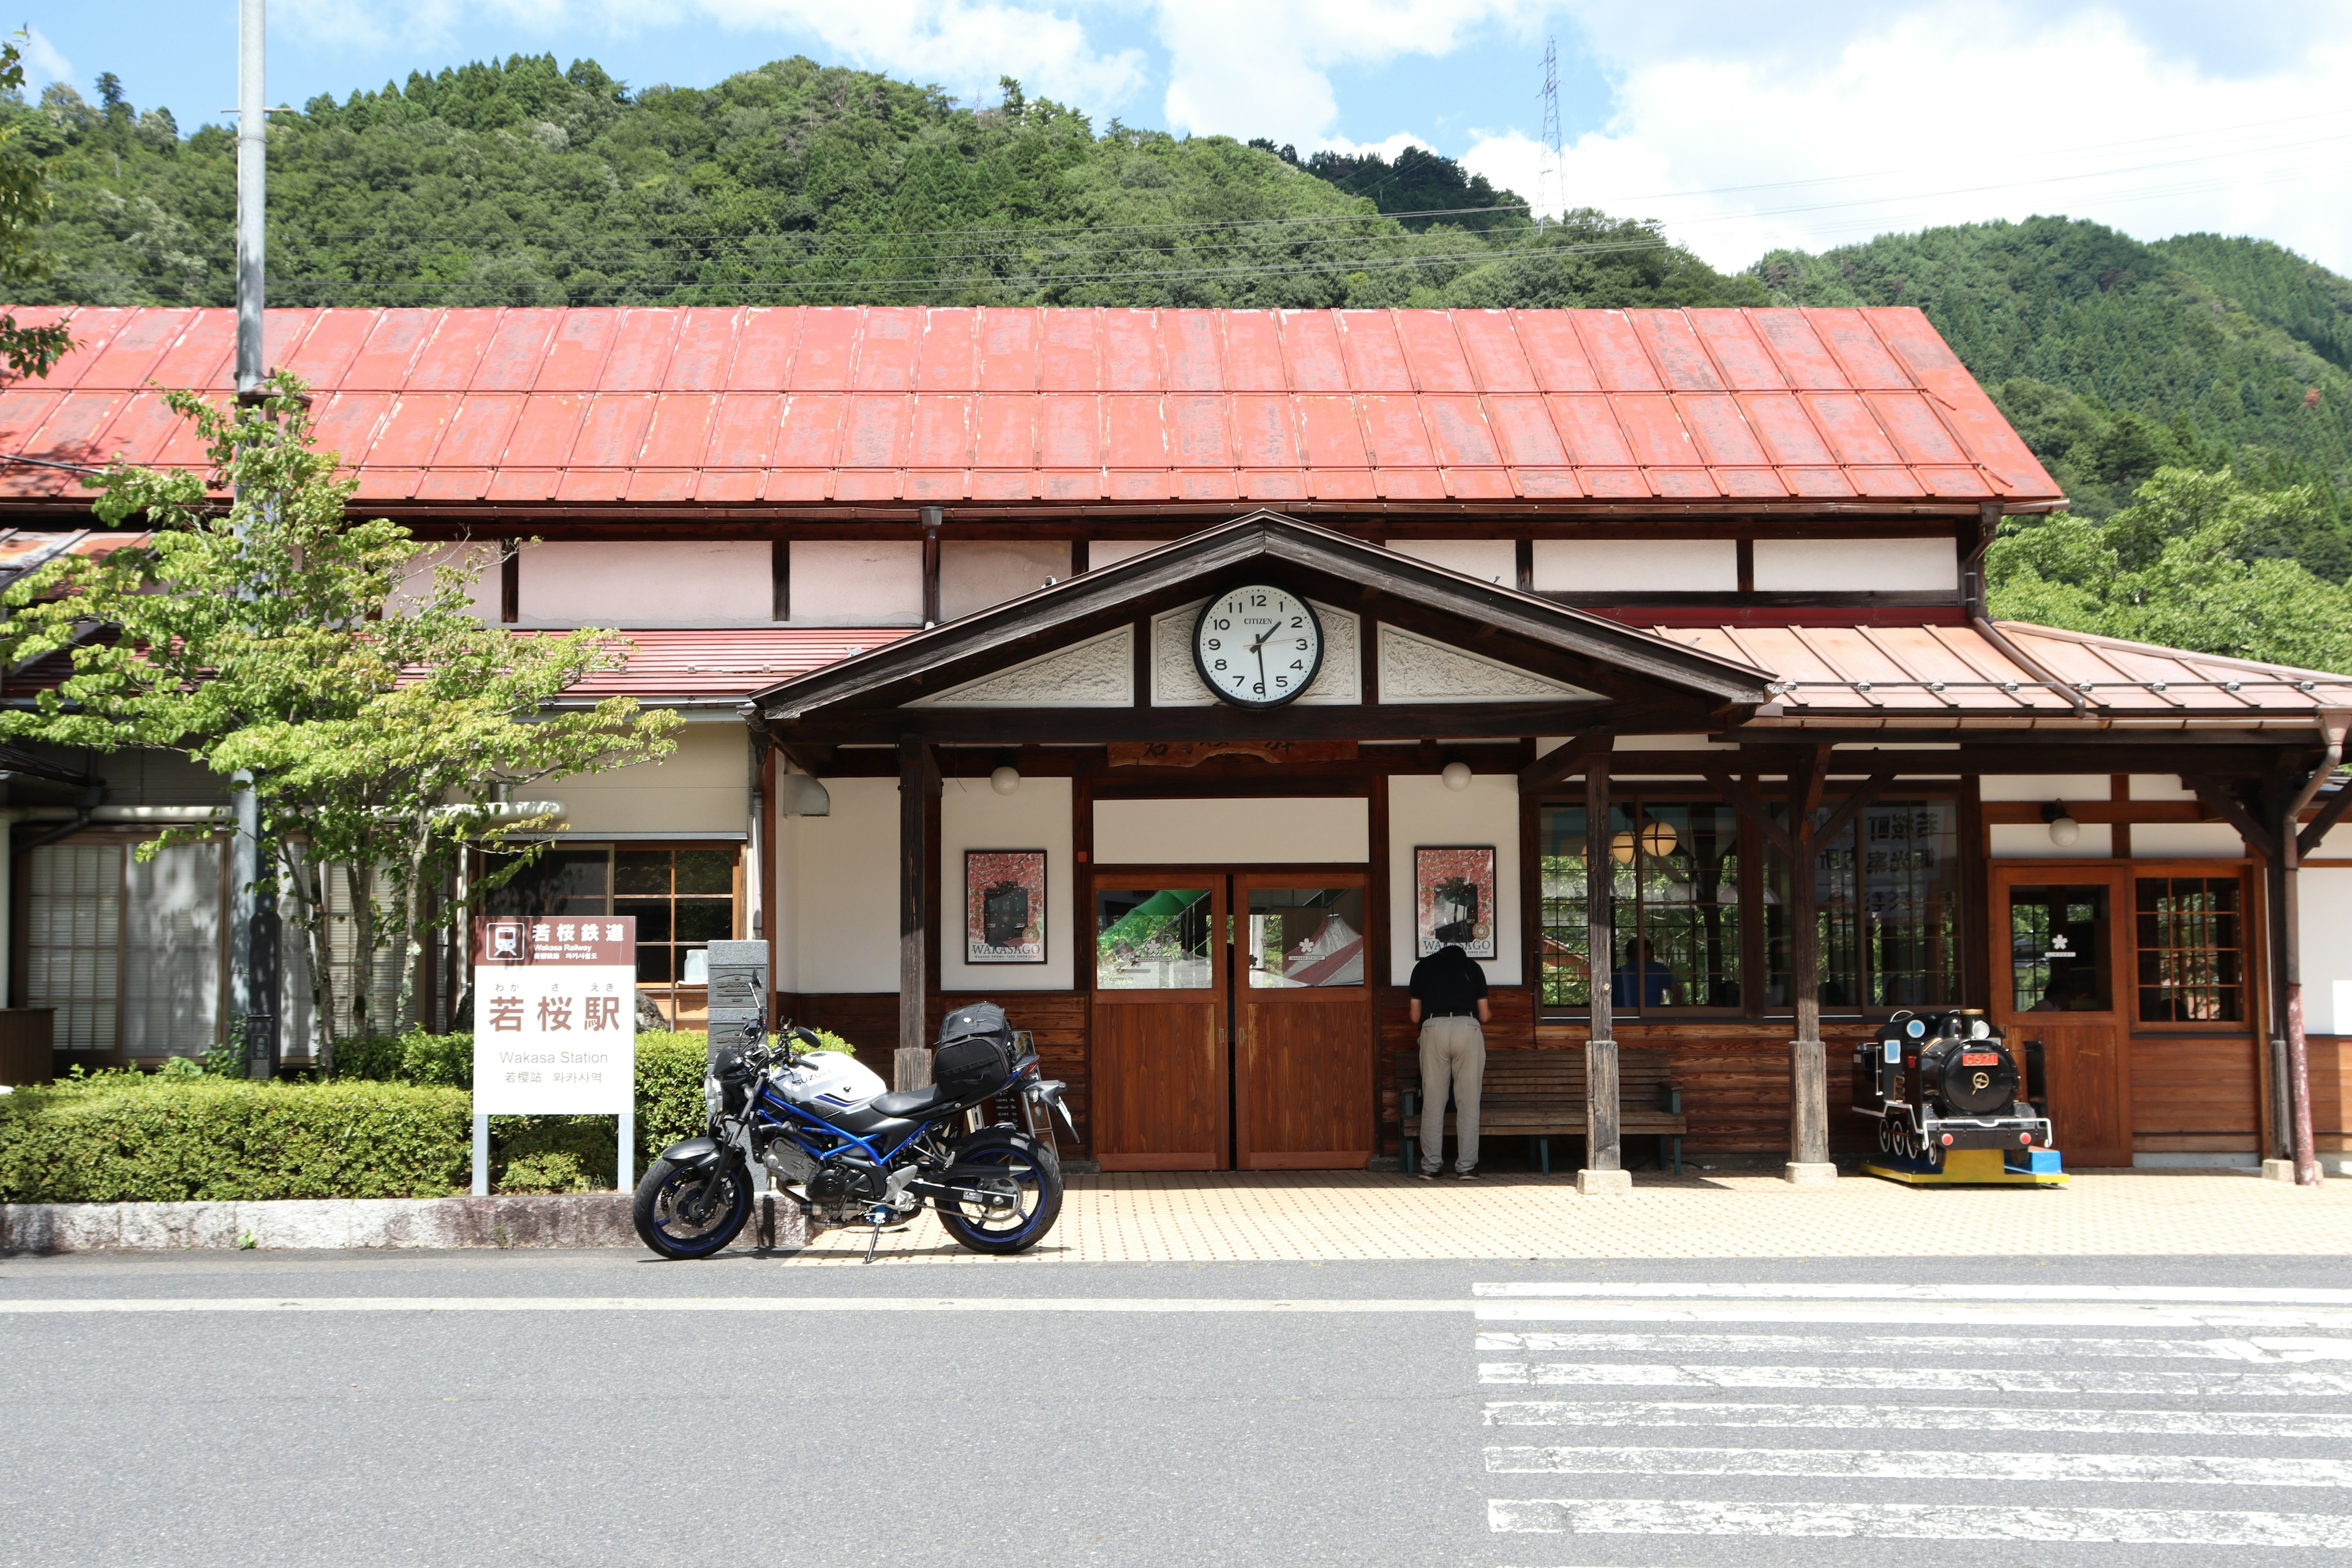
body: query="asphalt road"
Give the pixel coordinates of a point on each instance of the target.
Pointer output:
(597, 1408)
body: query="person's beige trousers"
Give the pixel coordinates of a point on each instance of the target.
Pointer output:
(1452, 1052)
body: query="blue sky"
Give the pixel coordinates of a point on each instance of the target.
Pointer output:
(1740, 126)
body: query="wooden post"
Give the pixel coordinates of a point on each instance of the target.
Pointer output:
(2298, 1048)
(1603, 1169)
(1809, 1111)
(919, 780)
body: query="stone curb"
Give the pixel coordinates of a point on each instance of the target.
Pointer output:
(582, 1220)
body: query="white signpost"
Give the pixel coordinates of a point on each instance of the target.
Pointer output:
(555, 1026)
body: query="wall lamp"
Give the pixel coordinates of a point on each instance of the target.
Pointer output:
(2063, 829)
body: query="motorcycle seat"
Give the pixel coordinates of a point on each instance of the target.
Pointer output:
(909, 1102)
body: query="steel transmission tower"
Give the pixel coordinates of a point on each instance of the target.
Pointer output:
(1552, 193)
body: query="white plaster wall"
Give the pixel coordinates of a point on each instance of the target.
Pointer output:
(2327, 917)
(652, 582)
(1661, 743)
(857, 583)
(2045, 787)
(1272, 830)
(843, 888)
(2336, 843)
(2185, 841)
(1423, 811)
(972, 815)
(2159, 786)
(1610, 565)
(478, 561)
(1111, 552)
(701, 787)
(2031, 842)
(1490, 560)
(1853, 565)
(978, 573)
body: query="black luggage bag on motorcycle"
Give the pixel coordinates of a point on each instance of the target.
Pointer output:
(974, 1053)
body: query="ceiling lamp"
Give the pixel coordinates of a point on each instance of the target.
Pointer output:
(1006, 778)
(2063, 829)
(1658, 840)
(1456, 774)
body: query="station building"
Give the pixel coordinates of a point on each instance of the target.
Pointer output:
(1684, 605)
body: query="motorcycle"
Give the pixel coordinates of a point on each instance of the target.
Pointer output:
(861, 1153)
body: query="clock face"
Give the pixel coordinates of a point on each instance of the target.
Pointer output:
(1257, 647)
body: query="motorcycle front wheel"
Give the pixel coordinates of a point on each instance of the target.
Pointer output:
(678, 1215)
(1007, 1213)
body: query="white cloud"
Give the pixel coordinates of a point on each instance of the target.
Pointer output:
(1958, 110)
(43, 62)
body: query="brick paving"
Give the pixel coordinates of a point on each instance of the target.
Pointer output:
(1333, 1216)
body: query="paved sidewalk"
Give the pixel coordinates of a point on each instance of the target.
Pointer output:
(1257, 1217)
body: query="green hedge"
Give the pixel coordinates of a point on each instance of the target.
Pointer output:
(132, 1137)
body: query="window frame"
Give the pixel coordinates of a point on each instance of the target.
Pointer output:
(2252, 955)
(1635, 800)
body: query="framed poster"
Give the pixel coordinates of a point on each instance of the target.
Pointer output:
(1454, 899)
(1005, 906)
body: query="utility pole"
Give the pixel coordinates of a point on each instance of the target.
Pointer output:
(1553, 178)
(254, 932)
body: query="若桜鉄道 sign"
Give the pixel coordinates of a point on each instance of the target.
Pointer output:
(555, 1015)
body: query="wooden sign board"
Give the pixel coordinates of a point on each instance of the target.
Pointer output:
(1192, 754)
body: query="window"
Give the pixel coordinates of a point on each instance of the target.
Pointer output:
(1887, 896)
(2191, 950)
(2058, 950)
(1675, 876)
(73, 942)
(684, 899)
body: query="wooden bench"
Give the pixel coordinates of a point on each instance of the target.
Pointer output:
(1541, 1095)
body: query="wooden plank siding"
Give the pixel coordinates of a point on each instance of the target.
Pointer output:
(2331, 1093)
(2196, 1094)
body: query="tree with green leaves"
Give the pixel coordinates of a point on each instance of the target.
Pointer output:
(26, 351)
(378, 720)
(2172, 569)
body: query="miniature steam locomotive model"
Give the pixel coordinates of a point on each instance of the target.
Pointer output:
(1942, 1081)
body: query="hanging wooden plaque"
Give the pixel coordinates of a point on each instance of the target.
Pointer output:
(1192, 754)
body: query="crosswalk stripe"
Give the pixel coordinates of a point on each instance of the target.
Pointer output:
(1975, 1315)
(1766, 1290)
(1617, 1412)
(1916, 1344)
(1935, 1465)
(1918, 1522)
(1923, 1379)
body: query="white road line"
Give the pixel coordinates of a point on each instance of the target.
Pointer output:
(2261, 1295)
(1977, 1315)
(1936, 1464)
(1916, 1344)
(793, 1304)
(1986, 1419)
(1921, 1378)
(1918, 1522)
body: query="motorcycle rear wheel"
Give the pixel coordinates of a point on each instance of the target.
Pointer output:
(1005, 1215)
(663, 1223)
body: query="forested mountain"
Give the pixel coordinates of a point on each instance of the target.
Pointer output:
(518, 182)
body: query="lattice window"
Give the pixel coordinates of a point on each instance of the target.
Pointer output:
(73, 942)
(2190, 938)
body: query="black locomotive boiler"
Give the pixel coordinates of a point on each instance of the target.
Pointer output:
(1939, 1081)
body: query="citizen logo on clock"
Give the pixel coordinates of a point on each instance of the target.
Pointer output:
(1257, 647)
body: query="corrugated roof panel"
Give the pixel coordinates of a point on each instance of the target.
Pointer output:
(131, 351)
(450, 352)
(1375, 359)
(586, 485)
(575, 355)
(324, 356)
(1779, 421)
(941, 434)
(94, 332)
(886, 349)
(1329, 434)
(1006, 434)
(445, 481)
(1852, 432)
(74, 426)
(1254, 351)
(1008, 350)
(728, 487)
(826, 360)
(1130, 350)
(1910, 420)
(703, 360)
(1588, 423)
(1525, 433)
(1136, 439)
(1265, 433)
(1731, 341)
(1070, 430)
(1724, 438)
(1952, 481)
(199, 361)
(1616, 352)
(811, 436)
(1432, 352)
(1803, 358)
(1458, 426)
(1864, 359)
(680, 432)
(653, 486)
(1070, 356)
(476, 437)
(1393, 429)
(544, 434)
(946, 359)
(1194, 361)
(743, 429)
(1675, 349)
(139, 434)
(22, 409)
(1556, 354)
(1688, 483)
(1312, 358)
(517, 351)
(874, 435)
(765, 342)
(641, 348)
(1491, 344)
(1762, 484)
(383, 362)
(414, 430)
(1196, 431)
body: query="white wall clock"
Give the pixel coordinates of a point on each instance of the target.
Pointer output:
(1257, 647)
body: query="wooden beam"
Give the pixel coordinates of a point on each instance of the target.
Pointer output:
(919, 781)
(2221, 799)
(1744, 802)
(2306, 841)
(1553, 766)
(1856, 802)
(1601, 1143)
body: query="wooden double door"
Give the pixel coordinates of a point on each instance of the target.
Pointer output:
(1233, 1020)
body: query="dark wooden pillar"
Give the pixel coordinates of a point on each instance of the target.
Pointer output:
(919, 781)
(1809, 1111)
(1603, 1155)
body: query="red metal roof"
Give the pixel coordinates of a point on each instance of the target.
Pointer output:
(805, 406)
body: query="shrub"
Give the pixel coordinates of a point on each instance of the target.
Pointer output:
(415, 1057)
(129, 1137)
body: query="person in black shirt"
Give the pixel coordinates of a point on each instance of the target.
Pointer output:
(1449, 1003)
